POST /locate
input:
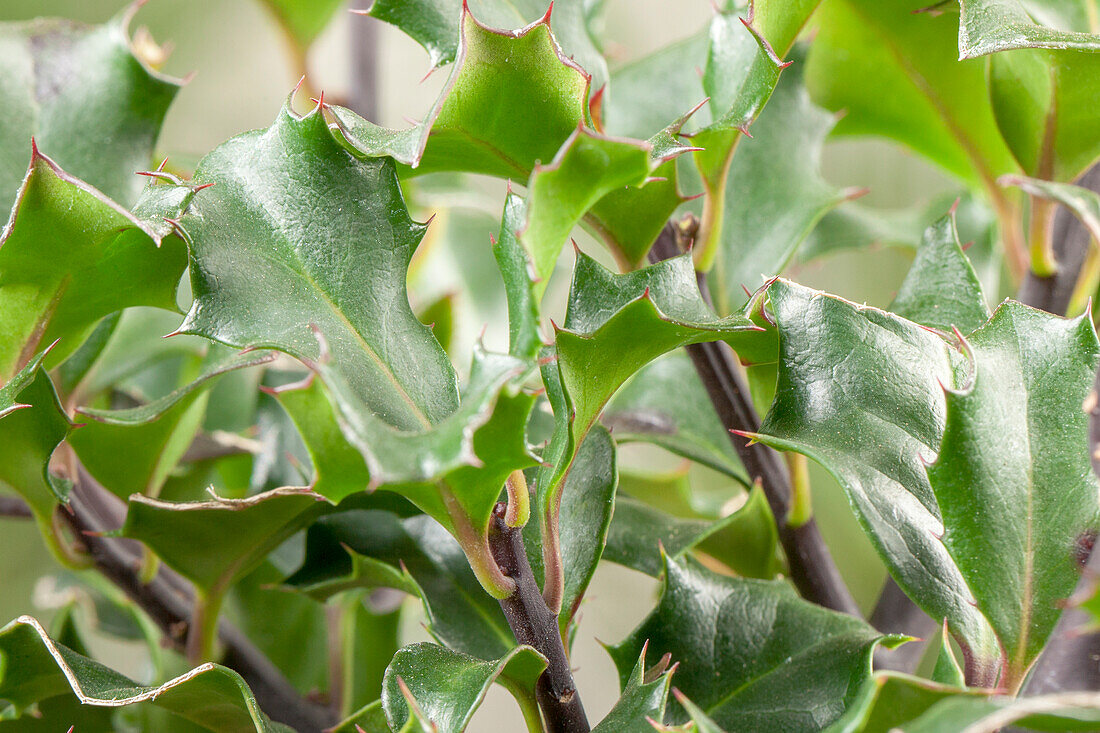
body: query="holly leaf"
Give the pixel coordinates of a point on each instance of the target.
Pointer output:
(91, 103)
(134, 450)
(434, 25)
(215, 543)
(37, 668)
(520, 281)
(989, 26)
(543, 134)
(878, 449)
(898, 75)
(751, 653)
(64, 243)
(744, 540)
(665, 404)
(941, 289)
(459, 614)
(444, 688)
(643, 700)
(305, 273)
(600, 347)
(32, 425)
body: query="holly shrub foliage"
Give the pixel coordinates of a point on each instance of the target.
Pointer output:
(267, 497)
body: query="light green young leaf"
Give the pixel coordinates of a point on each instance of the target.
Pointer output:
(751, 653)
(91, 103)
(890, 699)
(1068, 711)
(33, 667)
(990, 26)
(70, 256)
(520, 281)
(434, 25)
(446, 687)
(303, 20)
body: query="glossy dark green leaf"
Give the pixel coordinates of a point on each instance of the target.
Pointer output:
(369, 719)
(898, 75)
(70, 256)
(87, 99)
(880, 417)
(751, 653)
(745, 540)
(36, 668)
(448, 686)
(271, 259)
(941, 290)
(32, 424)
(643, 700)
(665, 404)
(460, 614)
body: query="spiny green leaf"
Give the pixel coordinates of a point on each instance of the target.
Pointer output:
(274, 253)
(643, 700)
(1014, 489)
(941, 290)
(215, 542)
(544, 119)
(898, 75)
(743, 67)
(876, 433)
(665, 404)
(32, 424)
(85, 97)
(448, 686)
(35, 668)
(751, 653)
(70, 256)
(434, 25)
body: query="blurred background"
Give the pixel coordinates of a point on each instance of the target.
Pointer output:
(243, 71)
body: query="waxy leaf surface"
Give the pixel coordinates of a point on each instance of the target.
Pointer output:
(448, 686)
(87, 100)
(752, 654)
(643, 700)
(33, 667)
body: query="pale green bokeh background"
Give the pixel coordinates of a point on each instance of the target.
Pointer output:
(243, 74)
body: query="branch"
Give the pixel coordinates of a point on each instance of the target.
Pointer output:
(811, 566)
(14, 507)
(168, 599)
(534, 624)
(1070, 244)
